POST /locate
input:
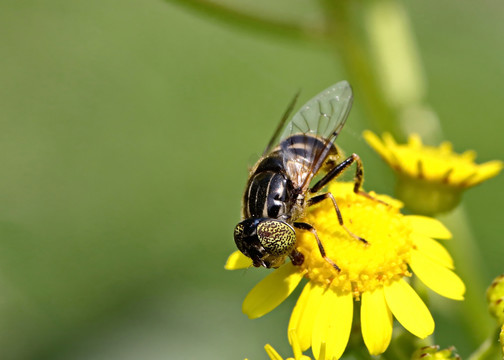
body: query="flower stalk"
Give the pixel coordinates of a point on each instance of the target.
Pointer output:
(349, 40)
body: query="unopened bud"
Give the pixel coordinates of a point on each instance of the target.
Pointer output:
(433, 353)
(495, 298)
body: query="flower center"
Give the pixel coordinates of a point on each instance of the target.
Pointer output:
(364, 267)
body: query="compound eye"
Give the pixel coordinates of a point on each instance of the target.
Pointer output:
(276, 236)
(238, 231)
(241, 243)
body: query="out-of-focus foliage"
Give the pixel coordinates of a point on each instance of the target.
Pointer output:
(126, 129)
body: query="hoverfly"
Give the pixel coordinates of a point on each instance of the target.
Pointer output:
(278, 188)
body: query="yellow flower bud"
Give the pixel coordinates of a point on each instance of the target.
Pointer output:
(495, 298)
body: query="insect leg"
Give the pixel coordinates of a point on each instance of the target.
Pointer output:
(338, 169)
(296, 257)
(308, 227)
(319, 198)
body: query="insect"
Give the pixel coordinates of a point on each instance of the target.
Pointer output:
(278, 188)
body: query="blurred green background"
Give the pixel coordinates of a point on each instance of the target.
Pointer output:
(126, 132)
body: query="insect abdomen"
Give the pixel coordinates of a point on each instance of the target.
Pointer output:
(270, 192)
(303, 147)
(267, 195)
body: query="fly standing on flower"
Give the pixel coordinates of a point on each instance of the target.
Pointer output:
(278, 189)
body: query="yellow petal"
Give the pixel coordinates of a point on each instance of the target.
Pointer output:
(437, 277)
(409, 309)
(333, 324)
(375, 142)
(429, 227)
(376, 320)
(271, 291)
(407, 161)
(237, 261)
(446, 148)
(297, 313)
(296, 349)
(303, 315)
(486, 171)
(272, 353)
(468, 155)
(415, 141)
(388, 140)
(322, 352)
(433, 249)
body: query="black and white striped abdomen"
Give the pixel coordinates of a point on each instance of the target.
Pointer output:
(275, 185)
(267, 195)
(303, 147)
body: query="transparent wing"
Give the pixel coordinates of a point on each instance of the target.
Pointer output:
(307, 139)
(274, 139)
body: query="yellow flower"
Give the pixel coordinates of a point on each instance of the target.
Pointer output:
(431, 179)
(374, 274)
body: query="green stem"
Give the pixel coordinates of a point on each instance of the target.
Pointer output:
(469, 264)
(255, 22)
(344, 32)
(488, 350)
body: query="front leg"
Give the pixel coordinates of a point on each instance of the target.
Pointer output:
(316, 199)
(296, 257)
(308, 227)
